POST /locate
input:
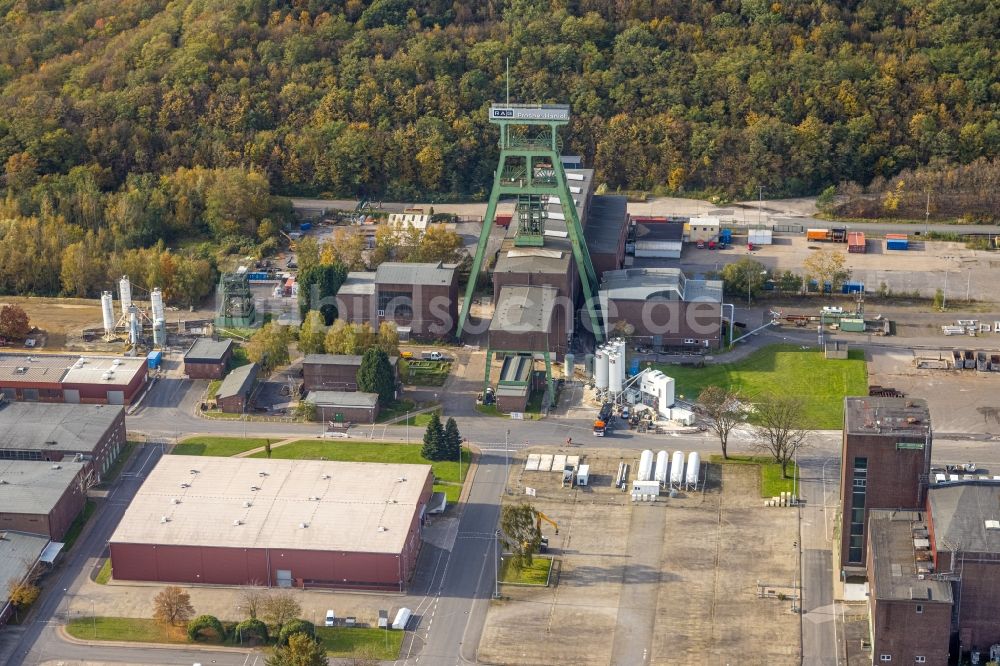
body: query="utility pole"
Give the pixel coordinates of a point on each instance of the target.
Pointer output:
(968, 288)
(760, 202)
(944, 294)
(506, 461)
(927, 214)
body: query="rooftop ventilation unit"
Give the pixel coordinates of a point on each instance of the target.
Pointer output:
(193, 471)
(254, 488)
(185, 485)
(326, 477)
(237, 522)
(303, 525)
(164, 519)
(381, 529)
(261, 473)
(116, 362)
(175, 501)
(993, 524)
(247, 504)
(401, 479)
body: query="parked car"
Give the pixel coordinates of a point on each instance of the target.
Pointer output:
(433, 356)
(406, 354)
(701, 245)
(330, 618)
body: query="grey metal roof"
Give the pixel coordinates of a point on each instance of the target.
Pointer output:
(208, 350)
(339, 359)
(608, 215)
(959, 512)
(18, 553)
(55, 426)
(524, 309)
(238, 381)
(641, 284)
(342, 398)
(358, 282)
(33, 486)
(659, 231)
(392, 272)
(887, 416)
(891, 538)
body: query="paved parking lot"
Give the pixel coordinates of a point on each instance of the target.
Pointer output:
(670, 582)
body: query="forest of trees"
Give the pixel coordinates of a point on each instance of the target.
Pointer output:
(126, 124)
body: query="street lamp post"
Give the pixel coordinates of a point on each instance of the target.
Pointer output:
(407, 426)
(506, 460)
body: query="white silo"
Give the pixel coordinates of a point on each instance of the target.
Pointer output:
(134, 326)
(694, 467)
(620, 346)
(125, 295)
(677, 469)
(569, 367)
(646, 466)
(156, 303)
(160, 332)
(615, 372)
(601, 369)
(108, 313)
(662, 462)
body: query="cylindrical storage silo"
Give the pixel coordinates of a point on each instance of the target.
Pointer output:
(694, 467)
(160, 332)
(646, 466)
(134, 327)
(620, 348)
(569, 368)
(614, 373)
(588, 364)
(662, 461)
(108, 312)
(677, 469)
(156, 304)
(601, 369)
(125, 294)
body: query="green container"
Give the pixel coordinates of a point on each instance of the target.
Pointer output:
(852, 325)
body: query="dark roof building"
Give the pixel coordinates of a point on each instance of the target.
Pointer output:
(20, 554)
(207, 358)
(606, 232)
(335, 372)
(234, 392)
(301, 523)
(41, 498)
(92, 434)
(344, 406)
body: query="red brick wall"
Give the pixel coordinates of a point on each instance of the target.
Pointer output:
(205, 370)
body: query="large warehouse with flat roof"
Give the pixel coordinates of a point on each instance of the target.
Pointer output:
(285, 523)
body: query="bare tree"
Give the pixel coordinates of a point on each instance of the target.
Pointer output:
(252, 598)
(723, 412)
(280, 607)
(779, 430)
(172, 606)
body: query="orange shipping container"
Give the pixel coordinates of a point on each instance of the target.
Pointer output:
(817, 234)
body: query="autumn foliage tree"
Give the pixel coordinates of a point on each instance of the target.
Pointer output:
(14, 323)
(172, 606)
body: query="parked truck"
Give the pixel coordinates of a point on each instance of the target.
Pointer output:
(433, 356)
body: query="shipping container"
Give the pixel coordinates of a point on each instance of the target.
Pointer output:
(503, 220)
(305, 226)
(852, 325)
(897, 242)
(856, 242)
(852, 288)
(153, 359)
(726, 236)
(817, 234)
(838, 234)
(760, 236)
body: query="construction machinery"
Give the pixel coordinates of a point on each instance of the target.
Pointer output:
(291, 241)
(539, 517)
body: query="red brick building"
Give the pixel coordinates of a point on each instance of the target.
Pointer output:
(910, 610)
(207, 358)
(284, 523)
(335, 372)
(421, 299)
(107, 380)
(885, 464)
(235, 391)
(92, 434)
(41, 498)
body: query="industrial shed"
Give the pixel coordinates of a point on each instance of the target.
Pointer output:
(345, 406)
(284, 523)
(75, 379)
(335, 372)
(207, 358)
(39, 498)
(234, 393)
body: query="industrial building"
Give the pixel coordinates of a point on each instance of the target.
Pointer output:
(236, 308)
(656, 238)
(606, 231)
(207, 358)
(21, 556)
(54, 433)
(335, 372)
(703, 229)
(344, 406)
(421, 299)
(663, 308)
(284, 523)
(41, 498)
(885, 464)
(110, 380)
(234, 393)
(910, 611)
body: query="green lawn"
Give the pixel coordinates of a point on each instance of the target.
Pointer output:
(383, 452)
(784, 370)
(354, 641)
(772, 483)
(104, 575)
(139, 630)
(73, 533)
(217, 446)
(213, 388)
(395, 410)
(536, 574)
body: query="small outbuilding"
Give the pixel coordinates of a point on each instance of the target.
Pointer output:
(344, 406)
(234, 393)
(208, 358)
(41, 498)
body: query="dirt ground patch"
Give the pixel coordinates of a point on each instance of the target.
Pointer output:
(666, 582)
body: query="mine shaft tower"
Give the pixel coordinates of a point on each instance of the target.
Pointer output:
(530, 169)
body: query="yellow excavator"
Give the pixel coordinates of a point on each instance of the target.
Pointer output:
(543, 547)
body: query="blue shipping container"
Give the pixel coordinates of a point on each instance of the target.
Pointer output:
(153, 359)
(305, 226)
(634, 367)
(726, 235)
(853, 288)
(894, 244)
(258, 277)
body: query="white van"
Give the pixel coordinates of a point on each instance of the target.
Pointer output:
(403, 616)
